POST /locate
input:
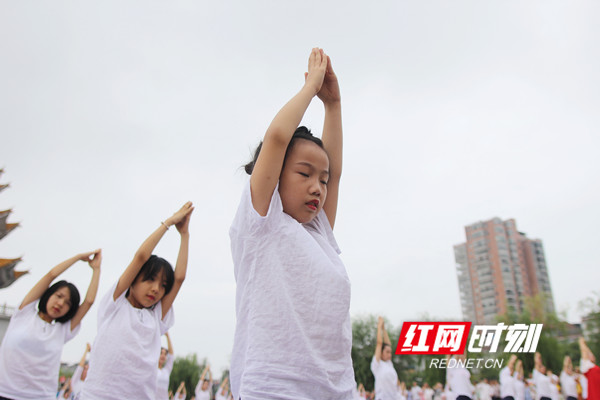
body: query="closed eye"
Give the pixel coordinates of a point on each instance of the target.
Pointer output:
(303, 174)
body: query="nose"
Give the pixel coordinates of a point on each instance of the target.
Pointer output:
(315, 187)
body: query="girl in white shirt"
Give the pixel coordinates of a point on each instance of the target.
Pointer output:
(35, 335)
(293, 334)
(133, 315)
(386, 378)
(181, 393)
(165, 366)
(568, 380)
(204, 387)
(223, 392)
(519, 377)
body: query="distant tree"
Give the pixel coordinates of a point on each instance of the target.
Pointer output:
(186, 369)
(591, 307)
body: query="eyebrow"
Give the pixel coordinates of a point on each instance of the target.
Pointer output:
(307, 164)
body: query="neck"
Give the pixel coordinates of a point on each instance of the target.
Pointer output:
(45, 317)
(132, 301)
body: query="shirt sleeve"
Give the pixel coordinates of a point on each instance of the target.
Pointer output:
(70, 333)
(248, 220)
(167, 322)
(586, 365)
(375, 365)
(107, 305)
(29, 309)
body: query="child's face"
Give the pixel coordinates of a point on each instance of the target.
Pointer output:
(162, 358)
(303, 181)
(59, 303)
(145, 294)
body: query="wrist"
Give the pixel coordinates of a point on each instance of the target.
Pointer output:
(310, 89)
(333, 104)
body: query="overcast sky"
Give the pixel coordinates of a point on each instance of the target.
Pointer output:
(113, 114)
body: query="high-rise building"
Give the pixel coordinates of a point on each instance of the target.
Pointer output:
(497, 268)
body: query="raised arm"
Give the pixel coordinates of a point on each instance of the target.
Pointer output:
(88, 348)
(169, 344)
(267, 169)
(379, 344)
(182, 261)
(199, 385)
(332, 138)
(180, 389)
(38, 290)
(146, 249)
(90, 296)
(586, 353)
(222, 385)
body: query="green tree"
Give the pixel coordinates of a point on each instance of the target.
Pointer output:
(186, 369)
(591, 307)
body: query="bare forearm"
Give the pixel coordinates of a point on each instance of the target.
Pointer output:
(386, 338)
(169, 344)
(148, 246)
(182, 258)
(289, 117)
(57, 270)
(90, 295)
(333, 138)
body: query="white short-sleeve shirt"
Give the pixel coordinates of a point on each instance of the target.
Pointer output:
(293, 335)
(124, 357)
(459, 379)
(30, 355)
(386, 379)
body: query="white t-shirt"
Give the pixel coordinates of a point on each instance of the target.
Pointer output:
(416, 392)
(519, 388)
(428, 394)
(459, 379)
(386, 379)
(202, 394)
(124, 357)
(507, 383)
(219, 396)
(162, 378)
(542, 385)
(568, 384)
(293, 335)
(484, 391)
(30, 355)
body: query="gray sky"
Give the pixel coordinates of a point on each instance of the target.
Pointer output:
(113, 114)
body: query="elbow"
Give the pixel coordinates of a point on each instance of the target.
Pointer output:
(88, 302)
(179, 279)
(141, 256)
(278, 136)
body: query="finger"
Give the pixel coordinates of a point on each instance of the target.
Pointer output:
(311, 59)
(329, 66)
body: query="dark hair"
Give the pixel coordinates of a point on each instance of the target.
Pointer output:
(152, 268)
(301, 132)
(384, 345)
(74, 298)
